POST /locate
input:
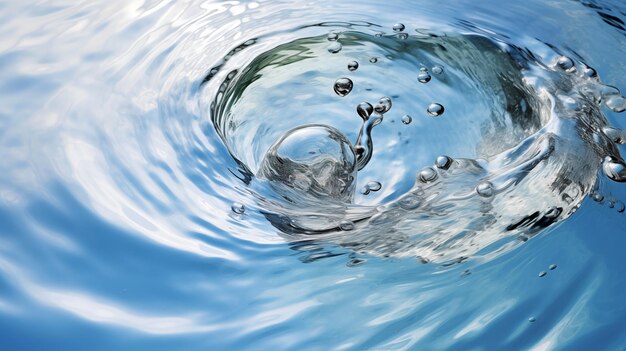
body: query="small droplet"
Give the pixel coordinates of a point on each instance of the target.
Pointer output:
(435, 109)
(614, 170)
(443, 162)
(565, 63)
(616, 103)
(353, 65)
(552, 212)
(373, 59)
(484, 189)
(552, 267)
(238, 208)
(365, 190)
(383, 106)
(532, 319)
(374, 185)
(427, 175)
(616, 135)
(437, 69)
(406, 119)
(398, 27)
(346, 226)
(356, 262)
(590, 72)
(343, 86)
(423, 77)
(402, 36)
(619, 206)
(379, 34)
(332, 36)
(597, 197)
(542, 274)
(410, 202)
(334, 47)
(365, 110)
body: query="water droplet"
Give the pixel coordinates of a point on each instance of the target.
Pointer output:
(552, 212)
(437, 69)
(423, 77)
(409, 202)
(542, 274)
(343, 86)
(619, 206)
(406, 119)
(398, 27)
(332, 36)
(484, 189)
(423, 69)
(616, 103)
(334, 47)
(614, 170)
(597, 197)
(346, 226)
(379, 34)
(435, 109)
(383, 106)
(427, 174)
(590, 72)
(374, 185)
(552, 267)
(356, 262)
(365, 190)
(353, 65)
(443, 162)
(373, 59)
(238, 208)
(532, 319)
(616, 135)
(565, 63)
(365, 110)
(402, 36)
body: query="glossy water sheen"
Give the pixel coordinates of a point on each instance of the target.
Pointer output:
(184, 175)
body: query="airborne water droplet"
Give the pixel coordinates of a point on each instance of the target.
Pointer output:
(443, 162)
(406, 119)
(373, 59)
(353, 65)
(343, 86)
(423, 77)
(398, 27)
(365, 110)
(383, 106)
(484, 189)
(435, 109)
(437, 69)
(238, 208)
(334, 47)
(427, 175)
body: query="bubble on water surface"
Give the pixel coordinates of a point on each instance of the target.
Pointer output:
(334, 47)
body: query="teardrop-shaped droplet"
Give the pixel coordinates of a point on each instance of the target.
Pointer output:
(343, 86)
(435, 109)
(365, 110)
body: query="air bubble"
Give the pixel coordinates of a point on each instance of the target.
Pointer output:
(435, 109)
(443, 162)
(484, 189)
(398, 27)
(343, 86)
(238, 208)
(437, 69)
(383, 106)
(373, 59)
(352, 66)
(565, 63)
(334, 47)
(423, 77)
(406, 119)
(427, 174)
(365, 110)
(614, 170)
(346, 226)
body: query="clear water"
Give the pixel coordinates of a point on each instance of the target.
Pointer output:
(199, 175)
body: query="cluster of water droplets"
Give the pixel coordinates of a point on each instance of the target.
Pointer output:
(457, 206)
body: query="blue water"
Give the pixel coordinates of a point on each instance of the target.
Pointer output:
(116, 188)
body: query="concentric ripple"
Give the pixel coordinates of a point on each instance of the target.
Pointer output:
(517, 149)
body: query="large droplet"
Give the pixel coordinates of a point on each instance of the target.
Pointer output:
(616, 103)
(398, 27)
(614, 170)
(343, 86)
(315, 159)
(365, 110)
(423, 77)
(383, 106)
(435, 109)
(353, 65)
(334, 47)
